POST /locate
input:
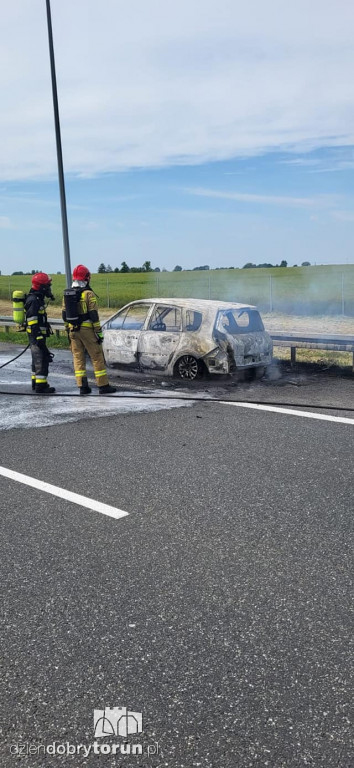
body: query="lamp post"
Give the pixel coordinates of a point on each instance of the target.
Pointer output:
(64, 218)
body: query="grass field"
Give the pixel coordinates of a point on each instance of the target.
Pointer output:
(61, 342)
(318, 290)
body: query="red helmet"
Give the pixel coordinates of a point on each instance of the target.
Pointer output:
(81, 273)
(40, 279)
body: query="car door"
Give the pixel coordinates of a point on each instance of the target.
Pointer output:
(121, 334)
(159, 342)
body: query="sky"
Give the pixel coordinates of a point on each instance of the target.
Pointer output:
(200, 132)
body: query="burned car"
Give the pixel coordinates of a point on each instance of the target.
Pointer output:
(187, 337)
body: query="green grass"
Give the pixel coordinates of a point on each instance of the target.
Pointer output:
(60, 342)
(316, 356)
(295, 290)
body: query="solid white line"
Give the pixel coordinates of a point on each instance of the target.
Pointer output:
(304, 414)
(76, 498)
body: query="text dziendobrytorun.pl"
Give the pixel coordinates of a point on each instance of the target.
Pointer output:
(26, 749)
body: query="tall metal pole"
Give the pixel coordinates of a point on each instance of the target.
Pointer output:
(270, 294)
(64, 218)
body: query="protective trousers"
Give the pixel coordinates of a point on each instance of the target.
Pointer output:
(85, 340)
(40, 363)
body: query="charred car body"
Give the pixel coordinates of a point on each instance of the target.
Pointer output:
(187, 337)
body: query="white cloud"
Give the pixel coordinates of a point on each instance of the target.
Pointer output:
(330, 162)
(302, 161)
(155, 83)
(343, 215)
(282, 200)
(88, 226)
(5, 222)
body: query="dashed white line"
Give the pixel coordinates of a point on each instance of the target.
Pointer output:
(291, 412)
(62, 493)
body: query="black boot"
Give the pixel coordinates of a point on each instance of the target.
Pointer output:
(107, 389)
(44, 389)
(85, 389)
(33, 384)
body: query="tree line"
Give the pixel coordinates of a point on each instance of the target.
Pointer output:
(146, 267)
(283, 263)
(32, 272)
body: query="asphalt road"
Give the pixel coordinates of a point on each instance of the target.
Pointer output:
(219, 608)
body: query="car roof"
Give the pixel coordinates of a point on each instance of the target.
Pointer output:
(196, 303)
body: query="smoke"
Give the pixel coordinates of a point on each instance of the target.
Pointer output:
(304, 291)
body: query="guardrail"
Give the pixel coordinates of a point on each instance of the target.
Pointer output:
(296, 341)
(8, 323)
(293, 340)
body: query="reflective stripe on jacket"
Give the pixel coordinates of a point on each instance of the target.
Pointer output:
(37, 325)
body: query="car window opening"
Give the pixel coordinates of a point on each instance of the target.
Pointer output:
(132, 319)
(193, 320)
(235, 322)
(165, 319)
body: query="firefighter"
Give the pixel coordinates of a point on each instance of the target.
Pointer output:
(84, 331)
(38, 330)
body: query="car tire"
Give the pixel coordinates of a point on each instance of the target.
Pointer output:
(259, 372)
(188, 368)
(253, 374)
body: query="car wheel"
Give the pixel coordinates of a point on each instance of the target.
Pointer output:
(188, 367)
(259, 372)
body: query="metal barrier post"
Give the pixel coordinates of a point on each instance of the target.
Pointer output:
(270, 294)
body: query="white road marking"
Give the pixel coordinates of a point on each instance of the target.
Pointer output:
(76, 498)
(304, 414)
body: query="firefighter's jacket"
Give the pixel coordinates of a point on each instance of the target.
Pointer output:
(87, 312)
(37, 325)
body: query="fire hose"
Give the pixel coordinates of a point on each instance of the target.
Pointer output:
(15, 358)
(145, 396)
